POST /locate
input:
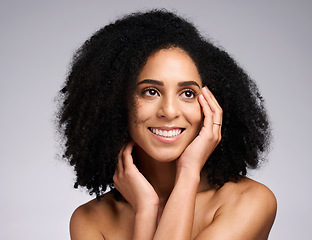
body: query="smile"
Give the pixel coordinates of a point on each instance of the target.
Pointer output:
(166, 133)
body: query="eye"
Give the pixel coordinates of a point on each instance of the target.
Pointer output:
(189, 94)
(150, 92)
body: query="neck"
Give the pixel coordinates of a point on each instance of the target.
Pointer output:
(161, 175)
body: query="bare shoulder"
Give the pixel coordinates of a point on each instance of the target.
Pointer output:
(250, 198)
(247, 210)
(248, 190)
(88, 220)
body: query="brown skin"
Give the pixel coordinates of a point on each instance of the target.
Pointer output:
(243, 210)
(167, 196)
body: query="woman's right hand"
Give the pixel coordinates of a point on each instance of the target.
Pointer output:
(131, 183)
(138, 192)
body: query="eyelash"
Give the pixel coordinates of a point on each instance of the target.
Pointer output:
(146, 91)
(192, 91)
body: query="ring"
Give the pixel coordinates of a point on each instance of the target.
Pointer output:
(219, 124)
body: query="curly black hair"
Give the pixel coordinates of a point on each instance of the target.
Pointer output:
(94, 100)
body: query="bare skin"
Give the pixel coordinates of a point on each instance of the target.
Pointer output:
(167, 195)
(251, 208)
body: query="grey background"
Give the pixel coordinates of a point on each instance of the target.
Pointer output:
(270, 39)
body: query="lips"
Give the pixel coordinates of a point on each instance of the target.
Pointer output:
(167, 133)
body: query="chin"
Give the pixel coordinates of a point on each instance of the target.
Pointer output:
(165, 156)
(159, 155)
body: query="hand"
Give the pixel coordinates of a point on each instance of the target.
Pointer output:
(197, 153)
(132, 184)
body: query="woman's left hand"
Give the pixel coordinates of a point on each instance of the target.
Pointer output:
(197, 153)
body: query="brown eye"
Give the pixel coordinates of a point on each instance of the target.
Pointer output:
(189, 94)
(150, 92)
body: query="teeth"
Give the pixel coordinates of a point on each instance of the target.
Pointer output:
(165, 133)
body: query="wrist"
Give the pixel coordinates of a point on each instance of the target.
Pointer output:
(147, 207)
(144, 214)
(148, 219)
(188, 175)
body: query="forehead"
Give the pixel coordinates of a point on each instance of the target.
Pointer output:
(172, 64)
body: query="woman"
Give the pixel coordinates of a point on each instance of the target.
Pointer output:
(140, 116)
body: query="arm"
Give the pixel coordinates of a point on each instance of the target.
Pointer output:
(247, 213)
(138, 192)
(177, 219)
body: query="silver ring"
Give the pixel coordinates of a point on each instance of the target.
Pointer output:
(219, 124)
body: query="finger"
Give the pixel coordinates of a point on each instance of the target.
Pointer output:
(216, 109)
(127, 157)
(120, 165)
(213, 103)
(208, 114)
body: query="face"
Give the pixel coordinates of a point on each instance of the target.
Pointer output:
(167, 115)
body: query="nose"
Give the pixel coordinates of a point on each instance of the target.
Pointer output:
(169, 108)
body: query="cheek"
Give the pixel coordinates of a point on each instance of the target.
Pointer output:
(137, 121)
(139, 114)
(195, 115)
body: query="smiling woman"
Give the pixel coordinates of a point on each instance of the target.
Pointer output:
(169, 123)
(167, 116)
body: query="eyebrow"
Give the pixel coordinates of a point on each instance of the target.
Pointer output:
(189, 83)
(151, 81)
(160, 83)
